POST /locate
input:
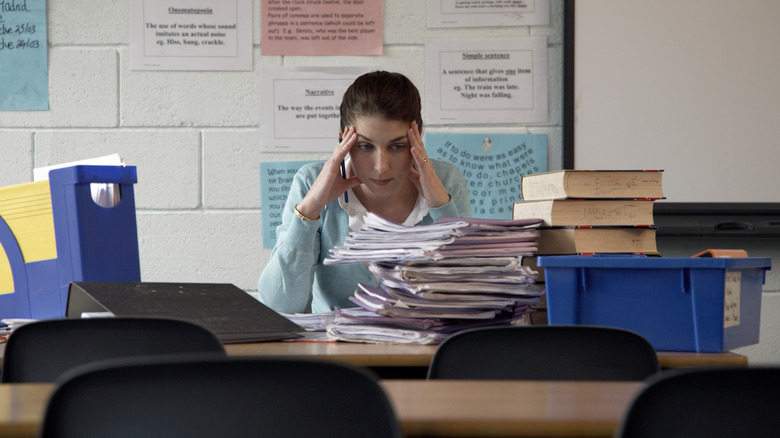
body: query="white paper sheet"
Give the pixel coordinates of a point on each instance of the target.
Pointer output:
(191, 34)
(300, 111)
(486, 80)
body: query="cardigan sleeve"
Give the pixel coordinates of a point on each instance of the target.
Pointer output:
(285, 284)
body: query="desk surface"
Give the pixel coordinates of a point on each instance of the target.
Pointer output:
(433, 408)
(398, 355)
(390, 355)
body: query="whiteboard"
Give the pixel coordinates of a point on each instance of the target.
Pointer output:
(691, 87)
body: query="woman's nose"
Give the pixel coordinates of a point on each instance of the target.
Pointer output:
(381, 162)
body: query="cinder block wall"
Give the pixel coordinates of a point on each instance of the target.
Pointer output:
(194, 135)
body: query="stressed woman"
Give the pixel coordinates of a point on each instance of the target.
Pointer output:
(379, 165)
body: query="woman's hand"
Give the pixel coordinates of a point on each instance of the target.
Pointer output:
(422, 174)
(329, 184)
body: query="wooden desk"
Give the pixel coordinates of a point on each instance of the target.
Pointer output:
(368, 355)
(433, 408)
(509, 408)
(394, 355)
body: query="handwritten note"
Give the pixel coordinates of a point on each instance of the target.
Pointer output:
(731, 298)
(493, 165)
(24, 71)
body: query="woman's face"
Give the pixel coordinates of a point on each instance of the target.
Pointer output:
(382, 157)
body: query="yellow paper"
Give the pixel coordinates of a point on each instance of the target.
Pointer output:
(26, 209)
(6, 276)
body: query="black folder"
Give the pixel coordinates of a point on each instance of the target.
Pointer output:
(229, 312)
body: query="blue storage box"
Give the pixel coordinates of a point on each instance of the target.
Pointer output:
(93, 243)
(678, 304)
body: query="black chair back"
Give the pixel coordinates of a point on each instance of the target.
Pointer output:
(555, 352)
(711, 403)
(42, 350)
(219, 398)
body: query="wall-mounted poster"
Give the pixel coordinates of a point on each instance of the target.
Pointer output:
(487, 13)
(486, 80)
(191, 34)
(493, 165)
(316, 27)
(300, 111)
(24, 65)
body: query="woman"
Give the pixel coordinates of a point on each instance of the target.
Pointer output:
(386, 171)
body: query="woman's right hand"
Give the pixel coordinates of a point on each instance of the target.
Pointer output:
(329, 184)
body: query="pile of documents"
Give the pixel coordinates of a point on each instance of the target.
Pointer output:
(434, 280)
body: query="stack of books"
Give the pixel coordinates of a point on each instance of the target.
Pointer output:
(591, 212)
(434, 280)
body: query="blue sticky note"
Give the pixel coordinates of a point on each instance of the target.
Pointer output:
(493, 165)
(275, 180)
(24, 72)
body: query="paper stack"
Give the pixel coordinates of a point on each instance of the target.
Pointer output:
(433, 280)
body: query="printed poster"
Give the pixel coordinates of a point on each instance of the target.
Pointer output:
(493, 165)
(275, 181)
(486, 80)
(322, 27)
(487, 13)
(191, 34)
(300, 110)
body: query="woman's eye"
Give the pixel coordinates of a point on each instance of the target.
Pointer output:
(399, 147)
(365, 146)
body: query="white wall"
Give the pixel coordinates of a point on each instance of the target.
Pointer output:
(689, 87)
(194, 135)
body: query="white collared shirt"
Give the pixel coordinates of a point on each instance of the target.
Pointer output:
(357, 212)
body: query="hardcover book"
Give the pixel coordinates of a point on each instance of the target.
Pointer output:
(592, 184)
(597, 240)
(573, 212)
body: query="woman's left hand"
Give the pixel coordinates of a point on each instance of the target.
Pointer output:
(422, 173)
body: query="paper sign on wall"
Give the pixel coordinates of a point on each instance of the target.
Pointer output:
(191, 34)
(486, 80)
(300, 111)
(24, 70)
(493, 165)
(316, 27)
(275, 181)
(487, 13)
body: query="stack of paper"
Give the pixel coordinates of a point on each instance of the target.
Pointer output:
(382, 240)
(433, 280)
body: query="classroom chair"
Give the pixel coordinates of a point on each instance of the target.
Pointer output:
(42, 350)
(712, 403)
(233, 397)
(555, 352)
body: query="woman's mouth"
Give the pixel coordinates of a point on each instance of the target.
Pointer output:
(381, 182)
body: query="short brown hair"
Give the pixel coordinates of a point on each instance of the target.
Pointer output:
(381, 94)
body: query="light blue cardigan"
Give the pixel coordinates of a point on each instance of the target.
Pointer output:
(295, 275)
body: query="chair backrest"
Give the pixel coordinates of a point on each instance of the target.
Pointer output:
(40, 351)
(231, 397)
(555, 352)
(708, 403)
